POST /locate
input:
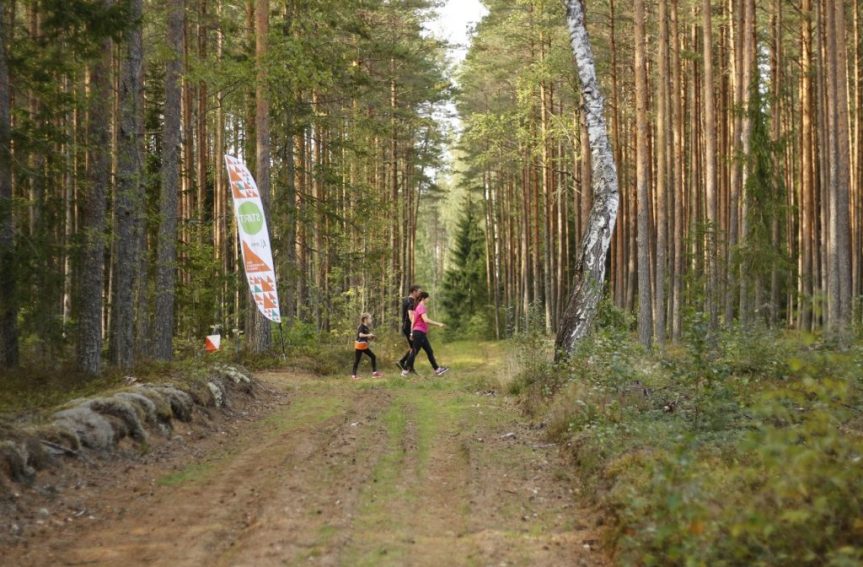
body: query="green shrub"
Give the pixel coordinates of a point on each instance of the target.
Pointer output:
(740, 448)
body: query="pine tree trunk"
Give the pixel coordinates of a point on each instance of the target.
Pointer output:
(747, 283)
(590, 266)
(736, 26)
(839, 296)
(662, 174)
(91, 280)
(130, 191)
(807, 204)
(260, 338)
(166, 263)
(8, 272)
(710, 165)
(679, 194)
(642, 175)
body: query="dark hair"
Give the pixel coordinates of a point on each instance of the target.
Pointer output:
(414, 288)
(423, 295)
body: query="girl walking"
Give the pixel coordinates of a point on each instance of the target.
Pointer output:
(419, 333)
(361, 345)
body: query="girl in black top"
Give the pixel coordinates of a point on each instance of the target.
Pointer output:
(361, 345)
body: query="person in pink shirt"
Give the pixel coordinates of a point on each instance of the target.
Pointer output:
(419, 335)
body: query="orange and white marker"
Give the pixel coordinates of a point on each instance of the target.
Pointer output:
(212, 342)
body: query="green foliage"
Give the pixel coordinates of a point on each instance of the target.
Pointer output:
(741, 449)
(464, 296)
(760, 252)
(198, 300)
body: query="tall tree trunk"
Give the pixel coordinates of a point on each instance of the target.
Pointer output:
(590, 266)
(130, 191)
(747, 282)
(710, 164)
(261, 337)
(738, 87)
(8, 271)
(642, 175)
(220, 189)
(166, 263)
(807, 203)
(839, 296)
(662, 174)
(776, 108)
(90, 297)
(203, 154)
(679, 194)
(857, 178)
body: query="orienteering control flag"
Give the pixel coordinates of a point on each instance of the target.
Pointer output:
(254, 238)
(212, 342)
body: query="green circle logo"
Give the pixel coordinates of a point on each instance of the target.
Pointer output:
(251, 218)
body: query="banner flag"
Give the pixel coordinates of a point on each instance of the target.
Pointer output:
(255, 239)
(212, 342)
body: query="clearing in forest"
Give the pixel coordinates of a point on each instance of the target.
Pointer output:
(426, 471)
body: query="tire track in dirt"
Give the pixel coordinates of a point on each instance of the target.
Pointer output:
(422, 472)
(234, 498)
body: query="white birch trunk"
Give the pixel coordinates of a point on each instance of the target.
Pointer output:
(590, 265)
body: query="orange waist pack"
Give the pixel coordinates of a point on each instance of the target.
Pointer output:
(359, 345)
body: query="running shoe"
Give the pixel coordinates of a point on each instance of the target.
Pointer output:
(404, 373)
(354, 377)
(377, 374)
(441, 370)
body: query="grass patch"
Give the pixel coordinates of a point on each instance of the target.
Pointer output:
(316, 406)
(196, 472)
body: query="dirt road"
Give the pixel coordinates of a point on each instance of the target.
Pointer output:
(428, 471)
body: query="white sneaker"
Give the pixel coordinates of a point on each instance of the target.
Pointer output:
(404, 373)
(441, 370)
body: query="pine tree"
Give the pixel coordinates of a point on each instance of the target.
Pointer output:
(8, 301)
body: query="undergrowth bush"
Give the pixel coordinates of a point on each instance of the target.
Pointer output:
(738, 448)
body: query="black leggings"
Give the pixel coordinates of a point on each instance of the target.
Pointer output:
(407, 355)
(421, 341)
(358, 354)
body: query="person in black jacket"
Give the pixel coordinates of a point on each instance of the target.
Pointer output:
(409, 303)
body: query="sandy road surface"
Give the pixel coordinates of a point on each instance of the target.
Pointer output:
(375, 472)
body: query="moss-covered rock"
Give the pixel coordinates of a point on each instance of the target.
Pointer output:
(99, 423)
(93, 430)
(13, 462)
(124, 411)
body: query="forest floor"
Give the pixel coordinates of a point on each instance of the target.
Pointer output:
(425, 471)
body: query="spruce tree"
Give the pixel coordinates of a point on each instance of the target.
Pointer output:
(464, 294)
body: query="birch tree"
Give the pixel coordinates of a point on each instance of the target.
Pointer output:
(590, 265)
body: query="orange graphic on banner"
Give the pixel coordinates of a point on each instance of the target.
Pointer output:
(252, 262)
(268, 302)
(239, 186)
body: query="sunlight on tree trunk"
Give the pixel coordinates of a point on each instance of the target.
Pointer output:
(590, 266)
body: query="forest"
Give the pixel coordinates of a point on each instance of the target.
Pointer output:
(735, 129)
(684, 181)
